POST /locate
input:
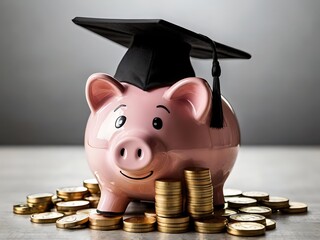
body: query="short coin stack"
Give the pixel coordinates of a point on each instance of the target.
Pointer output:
(276, 203)
(213, 224)
(100, 222)
(72, 193)
(246, 229)
(173, 224)
(139, 224)
(200, 192)
(71, 207)
(168, 198)
(40, 201)
(94, 190)
(46, 217)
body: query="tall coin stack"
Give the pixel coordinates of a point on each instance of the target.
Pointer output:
(200, 192)
(168, 196)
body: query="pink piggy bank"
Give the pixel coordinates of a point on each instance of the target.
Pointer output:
(134, 137)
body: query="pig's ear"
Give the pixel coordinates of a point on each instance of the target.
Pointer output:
(101, 88)
(194, 91)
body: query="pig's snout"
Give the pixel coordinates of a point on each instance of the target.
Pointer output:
(132, 154)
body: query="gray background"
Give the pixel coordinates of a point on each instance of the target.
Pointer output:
(45, 61)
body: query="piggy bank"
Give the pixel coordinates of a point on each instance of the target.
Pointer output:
(134, 137)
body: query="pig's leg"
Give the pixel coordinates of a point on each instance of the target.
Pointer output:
(112, 204)
(218, 198)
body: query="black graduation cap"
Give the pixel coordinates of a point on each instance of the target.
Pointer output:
(159, 54)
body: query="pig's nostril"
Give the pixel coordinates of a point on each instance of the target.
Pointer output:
(122, 152)
(139, 153)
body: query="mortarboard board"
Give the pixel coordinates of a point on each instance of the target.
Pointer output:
(159, 54)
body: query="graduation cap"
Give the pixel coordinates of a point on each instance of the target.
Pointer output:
(159, 54)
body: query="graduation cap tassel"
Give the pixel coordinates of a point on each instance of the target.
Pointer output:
(217, 113)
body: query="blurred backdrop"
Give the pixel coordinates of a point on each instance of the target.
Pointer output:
(45, 60)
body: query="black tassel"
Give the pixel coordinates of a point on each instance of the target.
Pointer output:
(217, 113)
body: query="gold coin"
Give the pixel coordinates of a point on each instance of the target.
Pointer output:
(246, 229)
(39, 197)
(87, 211)
(81, 226)
(72, 205)
(276, 202)
(174, 220)
(238, 202)
(224, 212)
(206, 230)
(244, 217)
(46, 217)
(172, 229)
(23, 209)
(138, 230)
(296, 207)
(196, 170)
(150, 213)
(139, 221)
(175, 225)
(55, 199)
(100, 220)
(168, 191)
(72, 193)
(167, 183)
(94, 201)
(72, 221)
(213, 222)
(91, 183)
(256, 195)
(108, 228)
(228, 192)
(262, 210)
(270, 224)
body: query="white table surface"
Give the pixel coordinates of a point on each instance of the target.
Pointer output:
(291, 172)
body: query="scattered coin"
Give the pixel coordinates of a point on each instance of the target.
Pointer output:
(228, 192)
(296, 207)
(238, 202)
(262, 210)
(72, 221)
(256, 195)
(246, 229)
(244, 217)
(270, 224)
(46, 217)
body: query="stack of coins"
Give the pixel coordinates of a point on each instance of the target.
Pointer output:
(200, 192)
(276, 203)
(246, 229)
(139, 224)
(71, 207)
(75, 221)
(295, 207)
(94, 190)
(40, 201)
(100, 222)
(259, 196)
(212, 224)
(24, 209)
(72, 193)
(168, 197)
(173, 224)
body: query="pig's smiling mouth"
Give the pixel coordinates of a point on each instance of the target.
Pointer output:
(137, 178)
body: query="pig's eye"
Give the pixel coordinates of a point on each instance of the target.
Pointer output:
(157, 123)
(120, 121)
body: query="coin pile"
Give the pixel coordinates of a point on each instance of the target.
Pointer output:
(200, 192)
(36, 203)
(168, 197)
(139, 224)
(276, 203)
(213, 224)
(173, 224)
(100, 222)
